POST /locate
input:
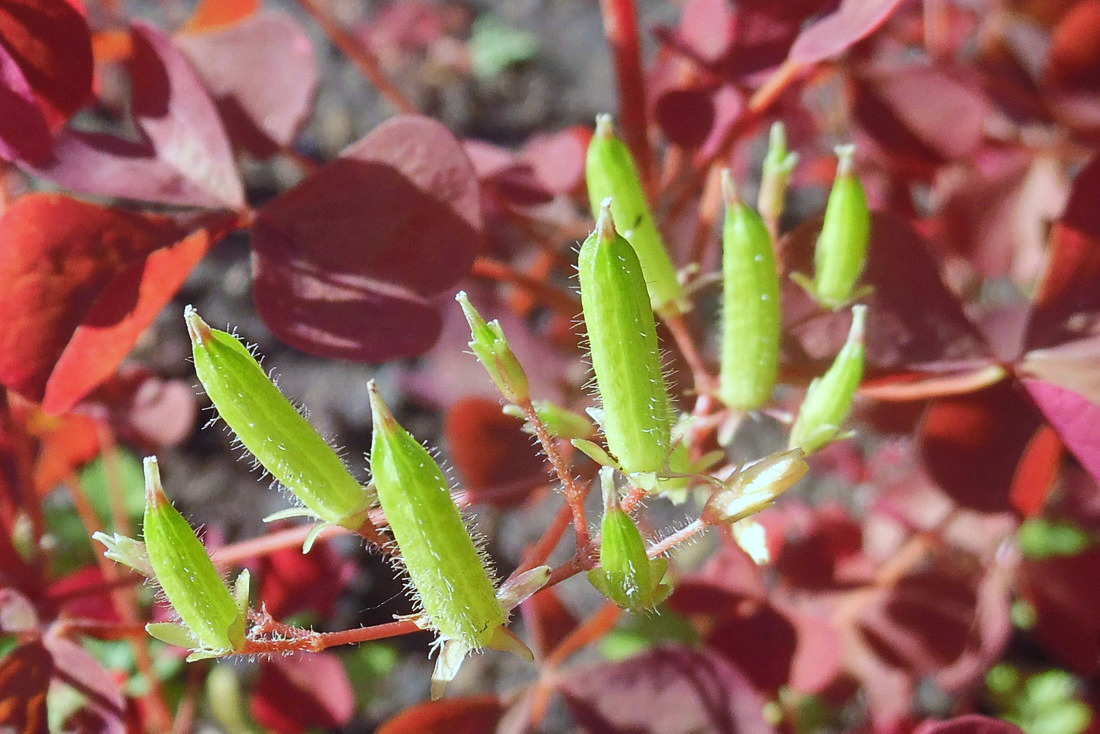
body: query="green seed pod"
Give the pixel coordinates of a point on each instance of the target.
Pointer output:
(755, 487)
(750, 306)
(776, 176)
(622, 338)
(841, 252)
(610, 172)
(446, 569)
(829, 397)
(495, 354)
(273, 430)
(214, 619)
(626, 575)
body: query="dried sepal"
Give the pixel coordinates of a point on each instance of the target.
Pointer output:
(273, 430)
(495, 354)
(622, 339)
(829, 397)
(779, 163)
(750, 306)
(626, 575)
(755, 487)
(610, 172)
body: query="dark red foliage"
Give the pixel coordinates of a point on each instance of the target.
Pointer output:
(300, 692)
(455, 716)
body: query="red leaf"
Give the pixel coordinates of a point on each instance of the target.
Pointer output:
(971, 444)
(1075, 419)
(814, 558)
(496, 461)
(913, 322)
(262, 113)
(557, 160)
(293, 582)
(707, 28)
(1037, 473)
(50, 42)
(848, 24)
(57, 255)
(1074, 60)
(144, 409)
(65, 444)
(346, 262)
(212, 14)
(77, 668)
(668, 690)
(923, 623)
(303, 691)
(1065, 595)
(971, 724)
(1067, 305)
(760, 640)
(473, 715)
(125, 307)
(184, 156)
(1071, 365)
(685, 115)
(921, 116)
(24, 679)
(24, 133)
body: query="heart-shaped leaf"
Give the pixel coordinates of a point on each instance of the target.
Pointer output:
(346, 262)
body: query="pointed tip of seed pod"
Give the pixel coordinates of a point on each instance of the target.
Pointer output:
(380, 412)
(844, 154)
(154, 492)
(729, 188)
(605, 223)
(473, 318)
(859, 323)
(605, 126)
(197, 329)
(777, 137)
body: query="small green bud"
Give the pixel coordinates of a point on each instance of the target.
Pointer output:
(213, 620)
(273, 430)
(559, 421)
(776, 176)
(750, 306)
(446, 568)
(626, 575)
(841, 252)
(495, 354)
(610, 172)
(755, 487)
(622, 339)
(829, 397)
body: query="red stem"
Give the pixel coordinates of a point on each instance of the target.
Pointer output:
(564, 302)
(620, 22)
(355, 48)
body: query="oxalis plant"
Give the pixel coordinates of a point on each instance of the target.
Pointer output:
(644, 441)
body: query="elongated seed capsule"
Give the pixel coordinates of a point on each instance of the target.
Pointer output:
(750, 306)
(272, 429)
(185, 572)
(495, 354)
(841, 252)
(451, 580)
(622, 339)
(776, 176)
(626, 575)
(829, 397)
(610, 172)
(755, 487)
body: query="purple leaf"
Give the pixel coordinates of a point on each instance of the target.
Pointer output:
(1074, 417)
(347, 262)
(832, 35)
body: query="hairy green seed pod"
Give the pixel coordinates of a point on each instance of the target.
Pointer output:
(829, 397)
(448, 573)
(755, 487)
(272, 429)
(610, 171)
(626, 575)
(622, 339)
(776, 176)
(215, 621)
(750, 306)
(841, 252)
(495, 354)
